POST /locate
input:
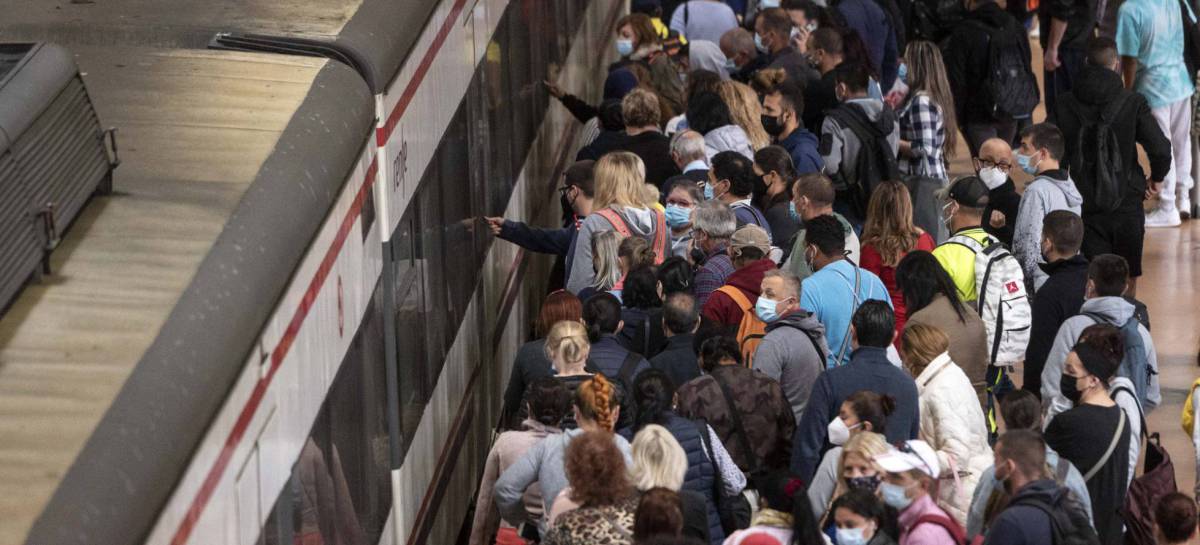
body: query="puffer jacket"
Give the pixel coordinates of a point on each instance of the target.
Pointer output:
(952, 423)
(1049, 191)
(1115, 311)
(728, 138)
(641, 222)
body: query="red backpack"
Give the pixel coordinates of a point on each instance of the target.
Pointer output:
(956, 532)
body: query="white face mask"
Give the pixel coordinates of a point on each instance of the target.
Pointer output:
(992, 177)
(839, 433)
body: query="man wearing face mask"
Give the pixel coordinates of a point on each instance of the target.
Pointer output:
(1095, 435)
(773, 33)
(748, 249)
(713, 222)
(782, 109)
(1061, 295)
(1020, 469)
(812, 196)
(742, 58)
(793, 350)
(1042, 147)
(825, 52)
(993, 165)
(1108, 276)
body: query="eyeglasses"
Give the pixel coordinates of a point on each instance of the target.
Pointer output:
(987, 163)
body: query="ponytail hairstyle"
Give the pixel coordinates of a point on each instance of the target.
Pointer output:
(653, 393)
(872, 407)
(602, 314)
(548, 400)
(635, 253)
(567, 340)
(595, 399)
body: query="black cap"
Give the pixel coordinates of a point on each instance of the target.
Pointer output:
(967, 191)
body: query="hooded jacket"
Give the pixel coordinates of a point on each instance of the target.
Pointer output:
(802, 146)
(1059, 299)
(1116, 311)
(968, 60)
(952, 423)
(1049, 191)
(840, 146)
(1072, 481)
(1133, 124)
(727, 138)
(793, 353)
(640, 222)
(507, 449)
(721, 309)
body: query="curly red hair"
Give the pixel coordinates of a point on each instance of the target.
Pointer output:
(596, 470)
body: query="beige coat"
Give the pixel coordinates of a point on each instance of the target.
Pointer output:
(968, 341)
(952, 423)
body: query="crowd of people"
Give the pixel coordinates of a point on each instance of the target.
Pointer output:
(779, 320)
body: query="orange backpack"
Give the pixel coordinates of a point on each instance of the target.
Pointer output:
(751, 330)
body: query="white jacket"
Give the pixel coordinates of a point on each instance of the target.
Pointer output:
(952, 423)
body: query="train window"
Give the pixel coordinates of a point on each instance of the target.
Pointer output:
(454, 181)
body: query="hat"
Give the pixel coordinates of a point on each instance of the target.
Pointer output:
(912, 454)
(967, 191)
(751, 236)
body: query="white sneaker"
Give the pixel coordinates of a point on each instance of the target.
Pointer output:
(1185, 208)
(1162, 218)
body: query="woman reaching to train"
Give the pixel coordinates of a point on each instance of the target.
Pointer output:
(596, 410)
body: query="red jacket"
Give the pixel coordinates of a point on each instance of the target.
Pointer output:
(720, 308)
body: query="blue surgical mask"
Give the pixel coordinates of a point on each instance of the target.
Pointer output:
(624, 47)
(902, 73)
(708, 192)
(793, 213)
(766, 309)
(767, 4)
(758, 43)
(678, 216)
(894, 495)
(1026, 163)
(730, 66)
(851, 536)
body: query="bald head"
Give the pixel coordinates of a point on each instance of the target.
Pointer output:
(995, 149)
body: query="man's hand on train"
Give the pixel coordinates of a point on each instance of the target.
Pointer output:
(496, 224)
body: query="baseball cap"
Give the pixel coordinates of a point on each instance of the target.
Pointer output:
(967, 191)
(912, 454)
(751, 236)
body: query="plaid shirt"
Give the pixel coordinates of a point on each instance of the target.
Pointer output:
(921, 124)
(711, 276)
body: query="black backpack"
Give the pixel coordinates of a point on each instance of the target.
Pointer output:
(933, 20)
(1068, 522)
(876, 162)
(1011, 88)
(1096, 153)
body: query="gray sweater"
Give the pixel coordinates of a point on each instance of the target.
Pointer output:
(1116, 311)
(788, 355)
(544, 464)
(640, 222)
(1043, 195)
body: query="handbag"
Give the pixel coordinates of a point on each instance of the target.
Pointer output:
(734, 511)
(1157, 480)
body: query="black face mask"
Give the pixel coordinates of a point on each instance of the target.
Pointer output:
(868, 483)
(772, 124)
(1069, 391)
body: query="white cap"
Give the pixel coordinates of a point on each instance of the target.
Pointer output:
(913, 454)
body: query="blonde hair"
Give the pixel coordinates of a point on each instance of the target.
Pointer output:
(658, 459)
(567, 340)
(640, 108)
(889, 227)
(922, 343)
(866, 444)
(619, 178)
(606, 258)
(745, 111)
(927, 74)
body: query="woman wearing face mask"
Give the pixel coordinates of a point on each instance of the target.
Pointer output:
(682, 196)
(1094, 435)
(773, 165)
(863, 411)
(952, 421)
(637, 42)
(860, 518)
(910, 485)
(783, 515)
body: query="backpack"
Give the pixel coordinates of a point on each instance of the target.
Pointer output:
(933, 20)
(1001, 299)
(660, 244)
(1144, 492)
(876, 161)
(1134, 365)
(751, 330)
(1010, 86)
(1096, 153)
(956, 531)
(1068, 523)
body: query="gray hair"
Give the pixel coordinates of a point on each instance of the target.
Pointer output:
(605, 245)
(791, 282)
(658, 459)
(715, 219)
(688, 145)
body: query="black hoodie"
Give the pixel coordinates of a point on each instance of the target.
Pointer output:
(1094, 89)
(1058, 299)
(967, 59)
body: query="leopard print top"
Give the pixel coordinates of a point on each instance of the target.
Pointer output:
(603, 525)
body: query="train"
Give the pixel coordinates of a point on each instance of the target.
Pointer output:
(288, 321)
